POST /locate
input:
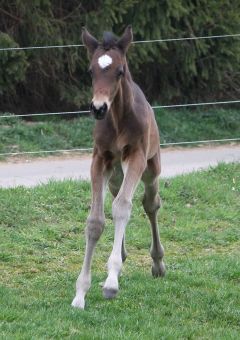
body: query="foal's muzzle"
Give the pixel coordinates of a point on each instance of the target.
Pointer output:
(98, 112)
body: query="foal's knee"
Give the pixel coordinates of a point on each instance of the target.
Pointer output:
(121, 208)
(94, 228)
(151, 204)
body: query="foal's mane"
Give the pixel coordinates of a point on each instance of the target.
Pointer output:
(109, 40)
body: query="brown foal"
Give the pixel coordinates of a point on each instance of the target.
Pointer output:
(126, 150)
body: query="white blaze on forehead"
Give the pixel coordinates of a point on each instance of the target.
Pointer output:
(104, 61)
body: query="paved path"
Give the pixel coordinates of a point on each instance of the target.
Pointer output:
(174, 161)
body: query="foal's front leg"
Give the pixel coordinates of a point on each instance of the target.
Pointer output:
(94, 229)
(133, 169)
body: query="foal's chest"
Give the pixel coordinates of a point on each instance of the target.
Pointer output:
(109, 138)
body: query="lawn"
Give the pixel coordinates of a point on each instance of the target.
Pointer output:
(42, 246)
(53, 133)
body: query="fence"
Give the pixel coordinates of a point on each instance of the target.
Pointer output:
(83, 112)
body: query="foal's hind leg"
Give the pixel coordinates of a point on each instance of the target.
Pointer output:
(151, 204)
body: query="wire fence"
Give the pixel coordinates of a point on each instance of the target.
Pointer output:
(84, 112)
(223, 36)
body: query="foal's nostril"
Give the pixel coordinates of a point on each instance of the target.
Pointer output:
(104, 108)
(93, 109)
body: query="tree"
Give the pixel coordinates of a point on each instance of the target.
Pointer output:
(168, 72)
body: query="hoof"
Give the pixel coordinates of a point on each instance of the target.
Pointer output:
(78, 303)
(109, 293)
(158, 270)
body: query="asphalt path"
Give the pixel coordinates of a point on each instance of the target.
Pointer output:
(32, 172)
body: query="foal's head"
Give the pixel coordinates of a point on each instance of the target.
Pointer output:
(107, 68)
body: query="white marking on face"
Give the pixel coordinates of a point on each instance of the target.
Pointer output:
(104, 61)
(99, 102)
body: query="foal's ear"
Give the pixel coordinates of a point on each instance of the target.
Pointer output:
(89, 41)
(124, 42)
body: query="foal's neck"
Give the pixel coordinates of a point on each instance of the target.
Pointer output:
(123, 101)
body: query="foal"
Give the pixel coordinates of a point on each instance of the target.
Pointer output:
(126, 150)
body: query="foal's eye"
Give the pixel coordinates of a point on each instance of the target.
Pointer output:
(120, 72)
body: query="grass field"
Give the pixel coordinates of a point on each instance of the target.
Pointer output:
(52, 133)
(42, 245)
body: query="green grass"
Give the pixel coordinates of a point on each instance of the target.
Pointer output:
(17, 135)
(42, 247)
